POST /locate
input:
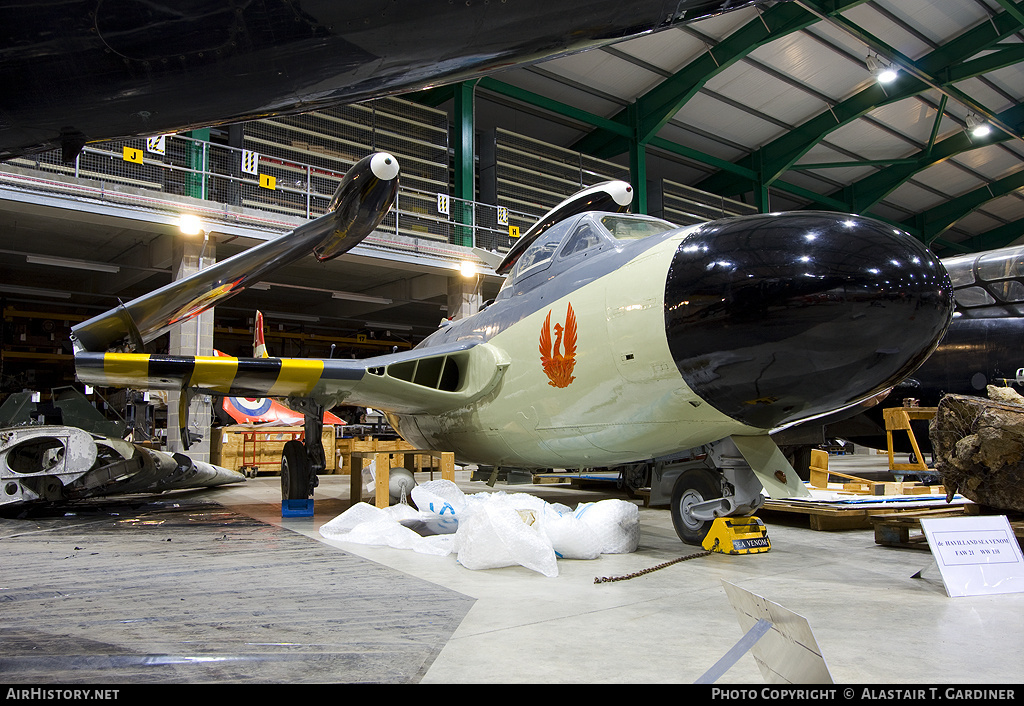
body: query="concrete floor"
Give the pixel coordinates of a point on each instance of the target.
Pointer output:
(187, 591)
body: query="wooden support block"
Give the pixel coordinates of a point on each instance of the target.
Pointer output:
(448, 466)
(819, 478)
(382, 470)
(355, 482)
(382, 475)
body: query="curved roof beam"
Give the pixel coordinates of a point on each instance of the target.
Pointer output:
(656, 107)
(865, 193)
(999, 237)
(942, 66)
(937, 220)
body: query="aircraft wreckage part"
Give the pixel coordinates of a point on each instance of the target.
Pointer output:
(779, 317)
(37, 462)
(51, 463)
(362, 199)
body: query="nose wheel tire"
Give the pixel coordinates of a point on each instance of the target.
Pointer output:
(693, 487)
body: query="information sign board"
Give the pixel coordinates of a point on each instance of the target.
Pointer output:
(976, 555)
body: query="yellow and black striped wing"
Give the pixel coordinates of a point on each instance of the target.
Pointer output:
(250, 377)
(427, 380)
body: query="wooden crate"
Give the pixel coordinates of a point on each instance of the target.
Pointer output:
(241, 446)
(345, 447)
(904, 530)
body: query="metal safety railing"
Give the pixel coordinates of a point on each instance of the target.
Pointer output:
(156, 173)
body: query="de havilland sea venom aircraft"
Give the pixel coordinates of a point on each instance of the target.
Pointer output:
(615, 338)
(78, 71)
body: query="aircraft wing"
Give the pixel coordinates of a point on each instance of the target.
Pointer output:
(418, 381)
(362, 199)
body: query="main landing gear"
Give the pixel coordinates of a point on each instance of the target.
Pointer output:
(303, 461)
(714, 489)
(692, 488)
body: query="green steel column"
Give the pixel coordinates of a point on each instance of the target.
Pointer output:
(637, 162)
(196, 181)
(761, 197)
(465, 177)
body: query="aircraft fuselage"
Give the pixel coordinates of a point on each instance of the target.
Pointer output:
(620, 338)
(662, 343)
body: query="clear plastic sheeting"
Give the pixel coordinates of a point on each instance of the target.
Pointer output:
(492, 530)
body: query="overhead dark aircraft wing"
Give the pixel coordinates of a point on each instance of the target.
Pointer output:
(419, 381)
(78, 71)
(362, 199)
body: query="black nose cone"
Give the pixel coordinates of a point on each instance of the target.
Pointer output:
(780, 317)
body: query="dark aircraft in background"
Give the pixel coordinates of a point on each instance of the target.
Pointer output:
(983, 346)
(78, 71)
(615, 338)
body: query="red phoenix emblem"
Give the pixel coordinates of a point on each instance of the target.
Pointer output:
(558, 366)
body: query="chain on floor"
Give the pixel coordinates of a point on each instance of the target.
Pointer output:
(609, 579)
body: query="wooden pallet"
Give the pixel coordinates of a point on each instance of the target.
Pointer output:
(838, 516)
(904, 530)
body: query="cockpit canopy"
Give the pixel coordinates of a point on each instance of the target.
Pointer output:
(989, 284)
(576, 239)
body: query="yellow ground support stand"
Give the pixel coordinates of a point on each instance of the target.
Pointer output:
(898, 419)
(737, 535)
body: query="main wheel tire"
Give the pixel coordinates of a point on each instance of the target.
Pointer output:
(693, 487)
(294, 471)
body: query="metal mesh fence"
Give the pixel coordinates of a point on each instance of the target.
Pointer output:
(684, 205)
(202, 170)
(292, 165)
(533, 176)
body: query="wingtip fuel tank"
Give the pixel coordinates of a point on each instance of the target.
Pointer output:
(363, 198)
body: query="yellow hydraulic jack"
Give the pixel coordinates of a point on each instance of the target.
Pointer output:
(737, 535)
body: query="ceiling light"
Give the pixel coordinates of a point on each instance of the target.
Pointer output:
(72, 263)
(883, 73)
(353, 296)
(468, 269)
(385, 325)
(289, 316)
(977, 127)
(34, 291)
(190, 224)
